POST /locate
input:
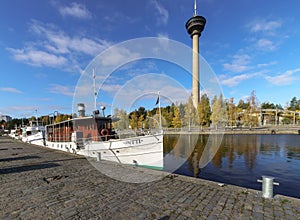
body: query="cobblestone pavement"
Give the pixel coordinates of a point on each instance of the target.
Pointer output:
(40, 183)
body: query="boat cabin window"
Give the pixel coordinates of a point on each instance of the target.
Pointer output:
(104, 124)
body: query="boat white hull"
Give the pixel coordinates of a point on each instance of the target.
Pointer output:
(144, 151)
(37, 139)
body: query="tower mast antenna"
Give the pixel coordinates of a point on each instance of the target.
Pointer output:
(195, 8)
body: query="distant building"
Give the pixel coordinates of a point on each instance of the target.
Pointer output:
(5, 118)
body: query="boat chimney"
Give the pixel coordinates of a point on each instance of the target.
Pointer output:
(81, 110)
(103, 108)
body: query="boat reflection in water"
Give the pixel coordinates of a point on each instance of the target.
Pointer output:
(240, 159)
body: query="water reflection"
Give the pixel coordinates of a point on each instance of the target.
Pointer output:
(240, 160)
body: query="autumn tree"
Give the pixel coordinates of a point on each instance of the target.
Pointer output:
(123, 122)
(177, 122)
(251, 116)
(45, 119)
(148, 119)
(32, 118)
(141, 121)
(133, 120)
(61, 117)
(231, 111)
(204, 111)
(168, 115)
(218, 116)
(242, 104)
(190, 113)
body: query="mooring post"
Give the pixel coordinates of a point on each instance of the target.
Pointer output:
(267, 186)
(98, 156)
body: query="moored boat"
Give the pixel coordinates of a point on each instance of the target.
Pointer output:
(94, 136)
(34, 133)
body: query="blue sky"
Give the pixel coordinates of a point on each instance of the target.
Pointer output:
(46, 46)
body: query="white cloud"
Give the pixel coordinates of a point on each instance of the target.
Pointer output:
(115, 18)
(266, 64)
(35, 57)
(75, 10)
(265, 44)
(264, 26)
(87, 46)
(59, 42)
(10, 89)
(163, 13)
(285, 78)
(235, 80)
(117, 55)
(238, 64)
(60, 89)
(54, 48)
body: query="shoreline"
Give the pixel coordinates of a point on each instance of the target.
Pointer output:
(242, 130)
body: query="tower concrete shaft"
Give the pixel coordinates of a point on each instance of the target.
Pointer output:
(194, 27)
(196, 76)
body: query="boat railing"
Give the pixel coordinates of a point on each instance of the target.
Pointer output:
(129, 133)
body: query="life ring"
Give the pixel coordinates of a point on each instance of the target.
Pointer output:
(104, 132)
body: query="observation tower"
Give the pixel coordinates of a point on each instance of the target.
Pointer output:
(194, 27)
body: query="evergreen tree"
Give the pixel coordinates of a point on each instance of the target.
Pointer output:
(267, 105)
(293, 104)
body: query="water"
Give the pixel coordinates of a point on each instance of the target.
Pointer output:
(240, 159)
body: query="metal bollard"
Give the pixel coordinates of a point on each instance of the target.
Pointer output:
(267, 186)
(98, 156)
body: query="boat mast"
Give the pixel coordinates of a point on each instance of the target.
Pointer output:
(159, 110)
(95, 92)
(37, 119)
